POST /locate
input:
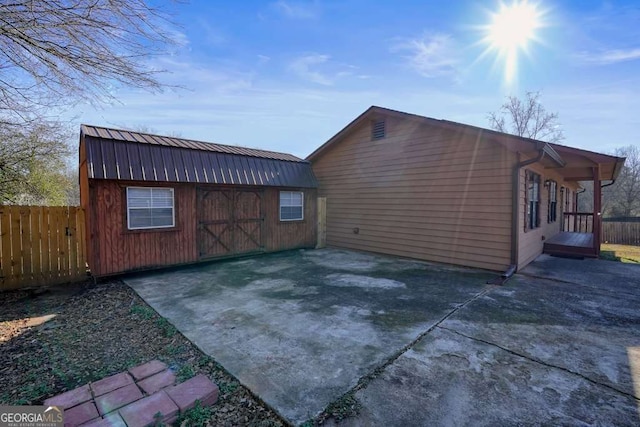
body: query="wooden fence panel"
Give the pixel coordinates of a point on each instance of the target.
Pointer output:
(41, 246)
(621, 233)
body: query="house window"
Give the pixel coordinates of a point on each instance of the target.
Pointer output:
(552, 213)
(150, 208)
(291, 205)
(533, 201)
(378, 130)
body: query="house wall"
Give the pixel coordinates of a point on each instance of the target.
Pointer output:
(531, 242)
(114, 249)
(420, 192)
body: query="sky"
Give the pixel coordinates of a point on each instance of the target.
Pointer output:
(287, 75)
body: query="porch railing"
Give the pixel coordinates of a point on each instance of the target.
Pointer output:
(578, 222)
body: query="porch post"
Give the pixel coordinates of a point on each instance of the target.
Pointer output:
(597, 208)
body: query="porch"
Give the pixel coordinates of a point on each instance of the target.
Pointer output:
(577, 238)
(580, 234)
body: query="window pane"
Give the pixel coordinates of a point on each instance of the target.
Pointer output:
(296, 199)
(162, 217)
(150, 207)
(290, 212)
(139, 192)
(139, 202)
(139, 218)
(291, 205)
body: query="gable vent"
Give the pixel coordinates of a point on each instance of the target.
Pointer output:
(378, 130)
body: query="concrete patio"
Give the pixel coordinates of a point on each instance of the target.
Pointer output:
(302, 328)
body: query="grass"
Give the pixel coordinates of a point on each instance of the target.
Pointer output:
(621, 253)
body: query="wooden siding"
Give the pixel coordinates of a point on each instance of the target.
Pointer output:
(114, 249)
(531, 242)
(283, 235)
(421, 192)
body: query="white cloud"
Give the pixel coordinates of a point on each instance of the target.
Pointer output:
(263, 59)
(305, 67)
(297, 10)
(432, 55)
(608, 57)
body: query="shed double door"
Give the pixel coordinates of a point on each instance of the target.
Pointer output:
(230, 222)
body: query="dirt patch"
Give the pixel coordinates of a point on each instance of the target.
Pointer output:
(59, 339)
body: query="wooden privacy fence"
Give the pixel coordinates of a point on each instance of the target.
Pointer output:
(41, 245)
(621, 233)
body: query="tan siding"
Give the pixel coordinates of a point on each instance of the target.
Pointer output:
(421, 192)
(531, 242)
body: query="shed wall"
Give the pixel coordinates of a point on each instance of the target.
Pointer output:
(114, 249)
(421, 192)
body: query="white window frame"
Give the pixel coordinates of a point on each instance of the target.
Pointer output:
(173, 208)
(301, 205)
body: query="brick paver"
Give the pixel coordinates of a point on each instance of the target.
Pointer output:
(111, 383)
(143, 371)
(123, 402)
(80, 414)
(111, 420)
(70, 398)
(142, 412)
(197, 388)
(118, 398)
(157, 382)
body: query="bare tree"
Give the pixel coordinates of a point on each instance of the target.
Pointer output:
(622, 198)
(527, 118)
(626, 191)
(56, 52)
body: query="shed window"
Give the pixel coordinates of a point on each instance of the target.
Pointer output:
(150, 208)
(291, 205)
(552, 213)
(378, 130)
(532, 219)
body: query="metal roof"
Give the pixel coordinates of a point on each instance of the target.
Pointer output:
(119, 159)
(168, 141)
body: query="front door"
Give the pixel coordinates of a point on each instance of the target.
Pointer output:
(230, 222)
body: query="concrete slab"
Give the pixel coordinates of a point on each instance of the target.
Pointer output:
(596, 273)
(534, 352)
(557, 345)
(301, 328)
(450, 380)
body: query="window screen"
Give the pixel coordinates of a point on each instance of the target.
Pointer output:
(291, 205)
(150, 208)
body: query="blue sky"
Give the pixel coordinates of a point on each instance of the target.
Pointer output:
(287, 75)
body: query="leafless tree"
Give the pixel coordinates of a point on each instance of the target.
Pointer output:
(622, 198)
(626, 191)
(527, 118)
(57, 52)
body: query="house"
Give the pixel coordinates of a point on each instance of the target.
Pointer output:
(153, 201)
(436, 190)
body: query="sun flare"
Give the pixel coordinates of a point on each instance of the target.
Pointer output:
(511, 30)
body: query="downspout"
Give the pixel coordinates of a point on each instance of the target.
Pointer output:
(515, 216)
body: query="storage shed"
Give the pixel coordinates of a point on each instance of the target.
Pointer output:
(153, 201)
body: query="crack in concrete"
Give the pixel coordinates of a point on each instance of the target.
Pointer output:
(541, 362)
(366, 379)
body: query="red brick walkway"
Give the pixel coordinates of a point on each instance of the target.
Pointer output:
(133, 398)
